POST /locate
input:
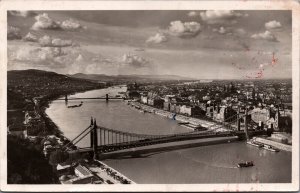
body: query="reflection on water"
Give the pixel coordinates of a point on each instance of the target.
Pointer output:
(208, 164)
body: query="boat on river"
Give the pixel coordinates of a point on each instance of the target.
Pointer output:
(256, 144)
(183, 123)
(245, 164)
(270, 148)
(74, 106)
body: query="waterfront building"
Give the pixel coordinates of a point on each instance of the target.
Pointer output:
(186, 110)
(82, 176)
(144, 99)
(172, 107)
(156, 102)
(167, 106)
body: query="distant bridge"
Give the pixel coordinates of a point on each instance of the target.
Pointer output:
(107, 97)
(104, 140)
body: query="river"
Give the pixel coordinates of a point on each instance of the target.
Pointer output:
(207, 164)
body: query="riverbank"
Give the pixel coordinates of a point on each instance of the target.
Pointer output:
(210, 125)
(275, 144)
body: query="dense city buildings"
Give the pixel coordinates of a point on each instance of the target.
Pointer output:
(271, 100)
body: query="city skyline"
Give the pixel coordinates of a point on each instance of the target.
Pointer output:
(198, 44)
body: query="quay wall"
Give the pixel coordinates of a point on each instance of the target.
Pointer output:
(274, 143)
(166, 147)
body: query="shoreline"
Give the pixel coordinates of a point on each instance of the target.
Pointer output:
(180, 118)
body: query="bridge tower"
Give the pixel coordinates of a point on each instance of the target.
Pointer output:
(95, 139)
(106, 97)
(91, 133)
(246, 124)
(238, 120)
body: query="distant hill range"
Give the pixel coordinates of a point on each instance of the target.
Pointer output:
(34, 74)
(133, 77)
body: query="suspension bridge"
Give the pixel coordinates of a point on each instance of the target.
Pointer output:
(105, 140)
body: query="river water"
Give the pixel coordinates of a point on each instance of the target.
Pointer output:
(206, 164)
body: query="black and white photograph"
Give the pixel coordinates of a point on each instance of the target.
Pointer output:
(149, 94)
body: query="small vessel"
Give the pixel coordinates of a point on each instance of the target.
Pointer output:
(73, 106)
(270, 148)
(245, 164)
(255, 144)
(183, 123)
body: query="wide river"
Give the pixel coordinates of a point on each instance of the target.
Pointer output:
(206, 164)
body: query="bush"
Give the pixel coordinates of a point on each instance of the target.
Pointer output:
(27, 165)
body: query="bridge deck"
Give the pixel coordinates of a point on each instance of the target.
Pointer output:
(139, 151)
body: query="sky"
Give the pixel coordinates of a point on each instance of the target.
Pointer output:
(202, 44)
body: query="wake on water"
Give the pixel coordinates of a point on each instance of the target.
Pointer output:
(209, 164)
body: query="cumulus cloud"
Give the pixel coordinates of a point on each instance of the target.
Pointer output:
(13, 33)
(267, 35)
(184, 30)
(221, 30)
(220, 16)
(37, 55)
(273, 24)
(47, 41)
(192, 14)
(134, 60)
(22, 13)
(30, 37)
(157, 38)
(43, 21)
(70, 25)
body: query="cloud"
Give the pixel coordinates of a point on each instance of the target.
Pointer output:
(30, 37)
(70, 25)
(36, 55)
(230, 31)
(157, 38)
(220, 16)
(192, 14)
(22, 13)
(267, 35)
(240, 31)
(221, 30)
(134, 60)
(43, 21)
(47, 41)
(184, 30)
(273, 25)
(13, 33)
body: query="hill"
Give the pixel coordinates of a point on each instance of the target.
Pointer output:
(27, 84)
(128, 78)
